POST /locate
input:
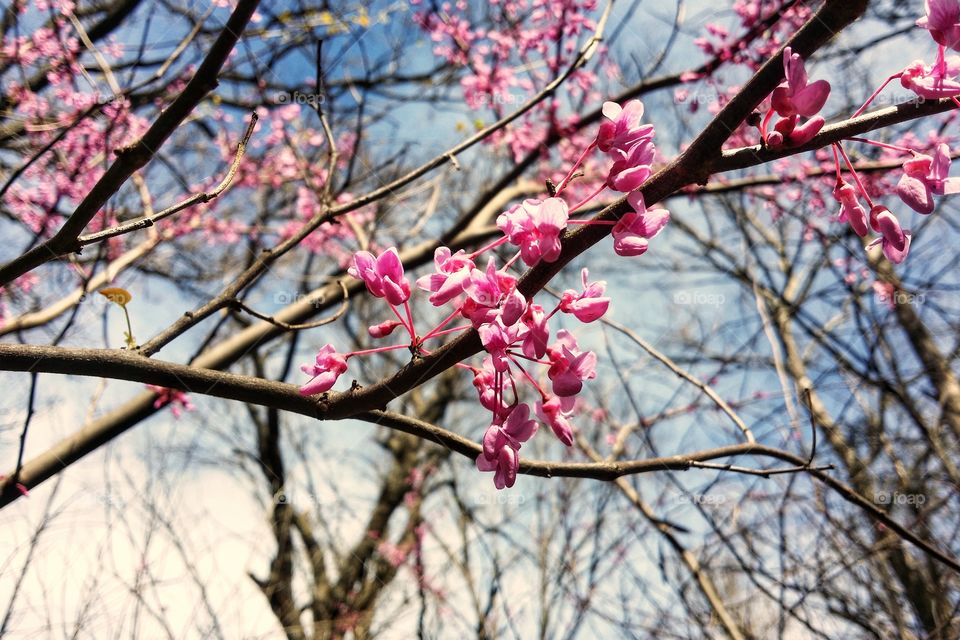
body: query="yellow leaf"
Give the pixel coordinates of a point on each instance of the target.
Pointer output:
(116, 295)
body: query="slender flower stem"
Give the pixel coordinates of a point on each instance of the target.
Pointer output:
(883, 145)
(366, 352)
(836, 163)
(444, 323)
(766, 123)
(492, 245)
(511, 261)
(406, 307)
(520, 355)
(856, 176)
(875, 93)
(437, 334)
(402, 321)
(588, 198)
(131, 343)
(536, 385)
(576, 165)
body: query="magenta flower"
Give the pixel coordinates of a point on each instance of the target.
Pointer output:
(552, 412)
(633, 231)
(174, 397)
(497, 338)
(484, 381)
(933, 82)
(894, 241)
(485, 291)
(943, 21)
(788, 133)
(795, 96)
(569, 366)
(923, 177)
(588, 305)
(537, 335)
(850, 209)
(383, 275)
(535, 227)
(622, 128)
(515, 430)
(383, 329)
(452, 273)
(505, 466)
(328, 367)
(631, 166)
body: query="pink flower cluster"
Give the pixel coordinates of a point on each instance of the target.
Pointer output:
(795, 97)
(174, 397)
(515, 331)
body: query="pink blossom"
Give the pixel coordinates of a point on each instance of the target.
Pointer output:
(923, 177)
(633, 231)
(538, 333)
(174, 397)
(894, 241)
(943, 21)
(631, 166)
(933, 82)
(515, 430)
(588, 305)
(501, 444)
(787, 132)
(621, 128)
(551, 411)
(452, 273)
(485, 291)
(569, 366)
(383, 329)
(850, 209)
(383, 275)
(794, 96)
(496, 338)
(535, 227)
(484, 381)
(328, 367)
(505, 466)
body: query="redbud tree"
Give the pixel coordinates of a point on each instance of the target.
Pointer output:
(573, 289)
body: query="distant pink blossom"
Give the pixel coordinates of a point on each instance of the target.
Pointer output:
(174, 397)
